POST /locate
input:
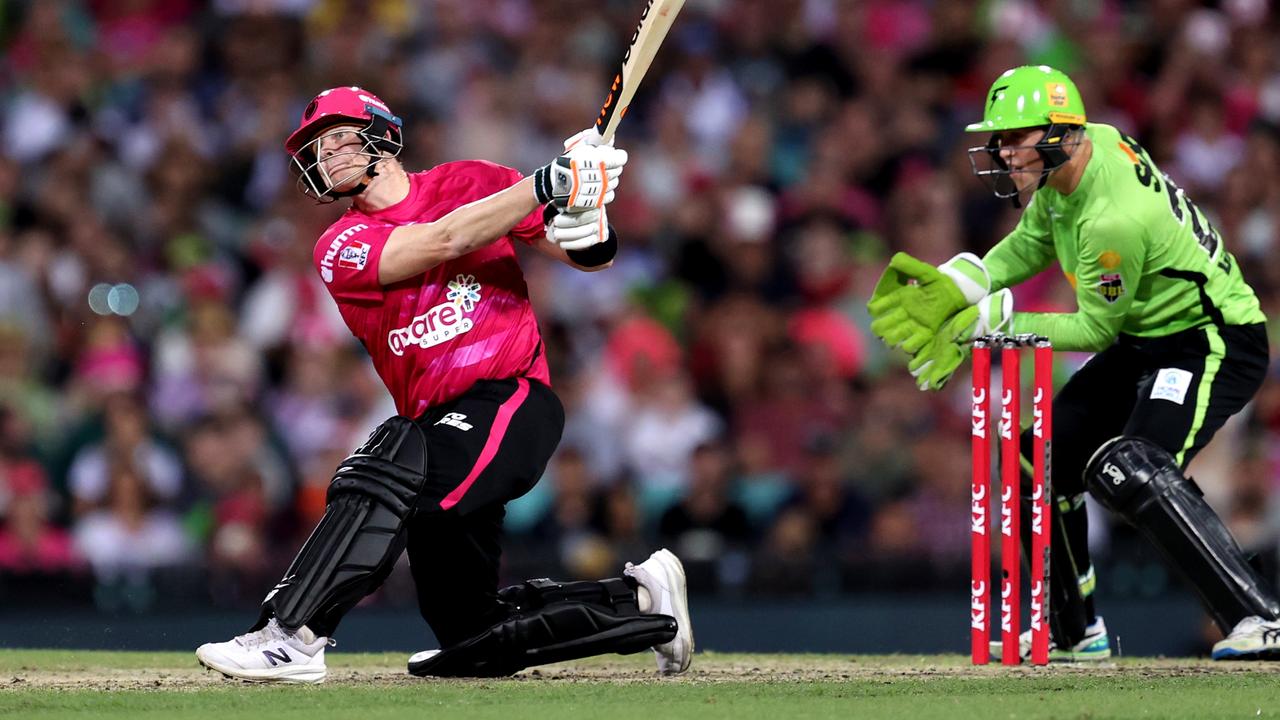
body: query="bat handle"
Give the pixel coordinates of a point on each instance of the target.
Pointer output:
(602, 137)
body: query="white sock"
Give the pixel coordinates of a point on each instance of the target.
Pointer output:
(643, 600)
(305, 635)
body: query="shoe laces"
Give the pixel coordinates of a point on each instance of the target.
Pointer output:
(1247, 625)
(269, 634)
(655, 582)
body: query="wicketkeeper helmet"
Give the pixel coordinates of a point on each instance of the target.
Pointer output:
(1030, 96)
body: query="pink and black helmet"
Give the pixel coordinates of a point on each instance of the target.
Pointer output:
(341, 106)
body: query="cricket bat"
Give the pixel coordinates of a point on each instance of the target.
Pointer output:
(655, 21)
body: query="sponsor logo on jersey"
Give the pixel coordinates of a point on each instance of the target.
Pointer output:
(1111, 286)
(354, 256)
(464, 291)
(1109, 260)
(326, 262)
(1172, 384)
(441, 323)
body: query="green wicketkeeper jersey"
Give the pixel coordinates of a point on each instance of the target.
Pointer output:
(1143, 259)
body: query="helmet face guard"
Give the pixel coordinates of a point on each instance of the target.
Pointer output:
(375, 146)
(989, 167)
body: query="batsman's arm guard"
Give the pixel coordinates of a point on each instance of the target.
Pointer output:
(361, 535)
(1141, 481)
(551, 622)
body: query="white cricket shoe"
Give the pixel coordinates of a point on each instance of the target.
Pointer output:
(662, 576)
(1094, 647)
(1251, 639)
(268, 655)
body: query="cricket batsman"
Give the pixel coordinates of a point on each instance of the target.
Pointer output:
(1180, 343)
(423, 269)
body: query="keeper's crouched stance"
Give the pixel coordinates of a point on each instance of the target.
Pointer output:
(424, 273)
(1178, 337)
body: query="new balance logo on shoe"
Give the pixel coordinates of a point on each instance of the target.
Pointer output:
(272, 656)
(1271, 635)
(454, 419)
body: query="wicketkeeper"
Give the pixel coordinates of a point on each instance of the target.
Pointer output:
(1180, 343)
(423, 269)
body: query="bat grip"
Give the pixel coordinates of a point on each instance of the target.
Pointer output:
(604, 139)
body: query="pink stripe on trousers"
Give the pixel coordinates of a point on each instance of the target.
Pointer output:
(496, 432)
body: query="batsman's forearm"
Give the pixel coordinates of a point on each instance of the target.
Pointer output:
(477, 224)
(1071, 332)
(413, 249)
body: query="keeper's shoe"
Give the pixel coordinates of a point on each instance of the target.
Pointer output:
(1251, 639)
(663, 576)
(1094, 647)
(268, 655)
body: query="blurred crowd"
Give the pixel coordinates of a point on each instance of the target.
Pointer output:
(176, 387)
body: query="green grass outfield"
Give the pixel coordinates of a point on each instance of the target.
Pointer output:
(62, 684)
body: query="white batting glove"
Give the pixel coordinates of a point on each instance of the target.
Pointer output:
(578, 230)
(585, 137)
(584, 178)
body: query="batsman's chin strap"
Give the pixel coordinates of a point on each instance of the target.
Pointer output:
(370, 173)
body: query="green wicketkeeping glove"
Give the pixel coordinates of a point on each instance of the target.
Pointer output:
(937, 361)
(913, 299)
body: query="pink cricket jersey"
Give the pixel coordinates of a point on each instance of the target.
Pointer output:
(432, 336)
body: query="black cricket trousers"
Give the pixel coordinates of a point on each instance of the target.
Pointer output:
(484, 449)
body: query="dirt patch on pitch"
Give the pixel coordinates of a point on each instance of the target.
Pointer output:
(708, 668)
(102, 679)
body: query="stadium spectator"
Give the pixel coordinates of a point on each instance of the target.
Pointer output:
(131, 533)
(707, 527)
(128, 439)
(29, 542)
